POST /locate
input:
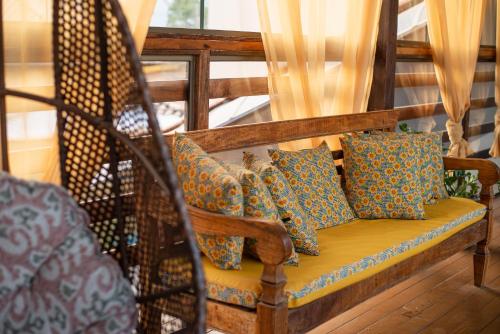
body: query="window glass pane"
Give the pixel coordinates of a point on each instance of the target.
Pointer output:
(412, 20)
(243, 78)
(241, 110)
(240, 15)
(416, 85)
(490, 23)
(176, 14)
(167, 84)
(165, 70)
(237, 69)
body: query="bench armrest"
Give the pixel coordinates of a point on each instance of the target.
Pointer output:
(273, 247)
(273, 243)
(489, 173)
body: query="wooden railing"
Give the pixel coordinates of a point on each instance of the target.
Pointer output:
(203, 46)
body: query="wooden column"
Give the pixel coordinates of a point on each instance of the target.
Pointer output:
(272, 309)
(199, 79)
(384, 69)
(4, 155)
(465, 124)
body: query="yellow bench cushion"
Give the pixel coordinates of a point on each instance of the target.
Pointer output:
(348, 253)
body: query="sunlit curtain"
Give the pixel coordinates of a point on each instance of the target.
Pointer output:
(33, 146)
(412, 91)
(28, 68)
(454, 33)
(495, 148)
(320, 57)
(138, 13)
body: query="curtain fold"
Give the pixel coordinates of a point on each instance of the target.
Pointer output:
(495, 148)
(33, 144)
(320, 57)
(454, 33)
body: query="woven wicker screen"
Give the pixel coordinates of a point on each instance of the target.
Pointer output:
(130, 193)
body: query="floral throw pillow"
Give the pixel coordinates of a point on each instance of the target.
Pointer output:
(207, 185)
(299, 225)
(313, 177)
(432, 167)
(257, 202)
(383, 177)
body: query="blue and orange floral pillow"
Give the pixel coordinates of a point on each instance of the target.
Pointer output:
(313, 177)
(383, 177)
(299, 225)
(257, 203)
(207, 185)
(431, 162)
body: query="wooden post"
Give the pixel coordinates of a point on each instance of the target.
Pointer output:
(4, 154)
(272, 309)
(465, 124)
(482, 253)
(384, 69)
(199, 79)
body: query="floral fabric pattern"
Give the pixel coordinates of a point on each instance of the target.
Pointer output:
(249, 298)
(257, 202)
(432, 167)
(207, 185)
(383, 178)
(53, 276)
(299, 225)
(313, 177)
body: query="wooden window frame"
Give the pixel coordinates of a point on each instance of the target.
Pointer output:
(203, 46)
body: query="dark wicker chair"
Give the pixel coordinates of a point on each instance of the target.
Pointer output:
(130, 193)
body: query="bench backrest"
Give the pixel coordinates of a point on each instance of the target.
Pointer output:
(268, 133)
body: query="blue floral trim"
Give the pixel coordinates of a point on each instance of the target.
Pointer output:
(371, 261)
(250, 298)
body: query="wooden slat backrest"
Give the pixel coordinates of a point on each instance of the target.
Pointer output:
(258, 134)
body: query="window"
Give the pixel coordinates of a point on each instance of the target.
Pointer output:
(168, 77)
(177, 14)
(238, 15)
(412, 21)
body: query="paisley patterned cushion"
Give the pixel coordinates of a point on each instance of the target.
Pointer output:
(53, 276)
(314, 179)
(299, 225)
(383, 177)
(432, 168)
(207, 185)
(257, 202)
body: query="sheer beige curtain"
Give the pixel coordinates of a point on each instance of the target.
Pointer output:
(454, 33)
(28, 68)
(33, 149)
(320, 57)
(495, 148)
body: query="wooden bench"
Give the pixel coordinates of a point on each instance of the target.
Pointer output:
(274, 246)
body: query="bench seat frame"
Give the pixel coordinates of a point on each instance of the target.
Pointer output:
(274, 246)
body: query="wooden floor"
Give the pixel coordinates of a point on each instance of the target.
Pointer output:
(441, 299)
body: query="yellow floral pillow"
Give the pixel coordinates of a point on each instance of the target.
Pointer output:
(207, 185)
(313, 177)
(431, 162)
(383, 177)
(299, 225)
(257, 202)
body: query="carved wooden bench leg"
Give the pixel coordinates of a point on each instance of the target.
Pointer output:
(482, 253)
(272, 310)
(272, 318)
(481, 258)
